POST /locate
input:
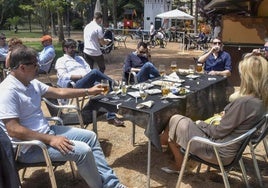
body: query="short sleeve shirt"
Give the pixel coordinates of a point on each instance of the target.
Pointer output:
(92, 33)
(23, 102)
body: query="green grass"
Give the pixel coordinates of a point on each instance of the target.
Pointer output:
(23, 34)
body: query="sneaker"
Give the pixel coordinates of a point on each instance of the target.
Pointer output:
(121, 186)
(117, 122)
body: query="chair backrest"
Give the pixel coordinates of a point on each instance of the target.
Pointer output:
(8, 173)
(262, 130)
(49, 64)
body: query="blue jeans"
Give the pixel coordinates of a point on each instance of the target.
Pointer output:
(90, 79)
(148, 71)
(87, 154)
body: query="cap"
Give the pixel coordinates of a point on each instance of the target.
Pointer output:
(45, 37)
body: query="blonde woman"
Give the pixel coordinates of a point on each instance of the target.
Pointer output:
(239, 116)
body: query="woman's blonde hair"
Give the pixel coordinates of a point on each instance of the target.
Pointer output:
(254, 77)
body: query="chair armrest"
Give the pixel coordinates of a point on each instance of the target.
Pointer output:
(230, 142)
(55, 119)
(67, 106)
(30, 142)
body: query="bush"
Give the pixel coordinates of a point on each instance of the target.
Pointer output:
(77, 24)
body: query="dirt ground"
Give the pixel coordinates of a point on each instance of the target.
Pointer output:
(130, 162)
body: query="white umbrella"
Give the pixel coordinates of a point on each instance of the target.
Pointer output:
(175, 14)
(97, 6)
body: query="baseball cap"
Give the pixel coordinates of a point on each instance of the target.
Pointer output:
(46, 37)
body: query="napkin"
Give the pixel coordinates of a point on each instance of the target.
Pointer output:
(147, 104)
(173, 77)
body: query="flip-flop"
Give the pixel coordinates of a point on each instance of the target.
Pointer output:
(170, 171)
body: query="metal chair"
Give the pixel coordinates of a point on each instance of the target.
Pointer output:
(244, 139)
(254, 142)
(70, 114)
(41, 71)
(47, 163)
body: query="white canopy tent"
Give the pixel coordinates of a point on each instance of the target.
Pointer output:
(176, 14)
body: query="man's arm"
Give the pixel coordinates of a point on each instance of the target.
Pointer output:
(63, 93)
(47, 57)
(204, 57)
(16, 130)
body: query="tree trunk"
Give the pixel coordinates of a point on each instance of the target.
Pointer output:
(60, 29)
(105, 13)
(115, 14)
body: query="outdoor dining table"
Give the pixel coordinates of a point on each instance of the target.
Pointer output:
(206, 96)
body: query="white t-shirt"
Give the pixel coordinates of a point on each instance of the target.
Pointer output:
(152, 29)
(67, 66)
(19, 101)
(92, 33)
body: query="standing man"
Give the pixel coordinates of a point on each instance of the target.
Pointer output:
(93, 38)
(216, 61)
(47, 55)
(152, 31)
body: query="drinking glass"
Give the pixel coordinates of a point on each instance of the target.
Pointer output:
(191, 69)
(116, 87)
(105, 86)
(173, 66)
(165, 91)
(162, 70)
(199, 67)
(143, 93)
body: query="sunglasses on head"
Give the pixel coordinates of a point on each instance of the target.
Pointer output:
(217, 43)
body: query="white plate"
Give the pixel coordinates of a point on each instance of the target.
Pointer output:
(134, 94)
(153, 91)
(161, 82)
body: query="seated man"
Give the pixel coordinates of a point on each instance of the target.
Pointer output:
(73, 68)
(216, 61)
(47, 55)
(21, 118)
(139, 61)
(3, 48)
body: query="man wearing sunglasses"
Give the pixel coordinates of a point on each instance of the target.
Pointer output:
(216, 61)
(260, 51)
(3, 48)
(139, 61)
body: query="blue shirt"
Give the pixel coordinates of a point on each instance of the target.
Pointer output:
(46, 57)
(3, 52)
(134, 61)
(221, 63)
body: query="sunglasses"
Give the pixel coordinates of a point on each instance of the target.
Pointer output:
(265, 48)
(142, 52)
(3, 38)
(35, 64)
(217, 43)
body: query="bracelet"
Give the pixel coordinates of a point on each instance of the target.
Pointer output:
(86, 91)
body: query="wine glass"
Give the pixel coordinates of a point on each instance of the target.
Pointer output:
(173, 66)
(162, 70)
(143, 93)
(116, 87)
(191, 69)
(165, 91)
(105, 86)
